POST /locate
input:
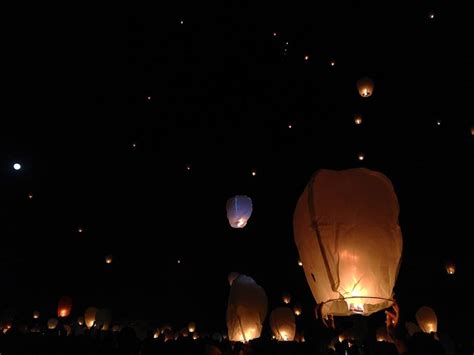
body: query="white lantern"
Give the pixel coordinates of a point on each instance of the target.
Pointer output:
(239, 210)
(365, 86)
(282, 322)
(347, 234)
(246, 309)
(191, 327)
(427, 320)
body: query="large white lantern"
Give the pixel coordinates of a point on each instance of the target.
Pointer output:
(427, 320)
(246, 309)
(239, 210)
(365, 86)
(282, 322)
(347, 234)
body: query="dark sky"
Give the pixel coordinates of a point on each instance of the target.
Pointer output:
(223, 91)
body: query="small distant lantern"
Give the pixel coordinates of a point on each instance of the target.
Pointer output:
(52, 323)
(80, 320)
(427, 320)
(438, 122)
(108, 259)
(239, 210)
(64, 306)
(191, 327)
(472, 131)
(358, 119)
(156, 333)
(286, 298)
(185, 332)
(282, 322)
(431, 15)
(89, 316)
(195, 335)
(297, 309)
(365, 86)
(381, 335)
(80, 229)
(450, 267)
(333, 63)
(361, 156)
(116, 328)
(232, 276)
(36, 314)
(347, 276)
(300, 263)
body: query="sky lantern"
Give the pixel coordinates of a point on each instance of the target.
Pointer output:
(246, 309)
(103, 318)
(382, 335)
(195, 336)
(365, 86)
(427, 320)
(89, 316)
(232, 276)
(358, 119)
(239, 210)
(282, 322)
(347, 234)
(297, 309)
(450, 267)
(191, 327)
(108, 259)
(286, 297)
(64, 306)
(36, 314)
(52, 323)
(80, 320)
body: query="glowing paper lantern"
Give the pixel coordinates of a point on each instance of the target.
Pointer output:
(347, 234)
(427, 320)
(89, 316)
(365, 86)
(358, 119)
(239, 210)
(195, 336)
(472, 130)
(36, 314)
(282, 322)
(297, 309)
(52, 323)
(450, 267)
(80, 320)
(191, 327)
(286, 298)
(246, 309)
(103, 318)
(382, 335)
(232, 276)
(64, 306)
(109, 259)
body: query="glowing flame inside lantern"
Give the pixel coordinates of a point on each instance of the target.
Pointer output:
(63, 313)
(241, 223)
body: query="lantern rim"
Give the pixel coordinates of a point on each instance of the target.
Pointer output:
(350, 312)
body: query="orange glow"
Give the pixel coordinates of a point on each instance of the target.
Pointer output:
(64, 306)
(286, 298)
(297, 309)
(450, 267)
(358, 119)
(108, 259)
(191, 327)
(472, 130)
(365, 86)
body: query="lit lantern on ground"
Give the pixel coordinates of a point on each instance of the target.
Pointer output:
(246, 309)
(36, 314)
(282, 322)
(286, 297)
(239, 210)
(450, 267)
(347, 234)
(358, 119)
(191, 327)
(103, 318)
(232, 276)
(427, 320)
(365, 86)
(89, 316)
(297, 309)
(64, 306)
(52, 323)
(108, 259)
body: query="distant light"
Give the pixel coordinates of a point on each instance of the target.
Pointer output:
(361, 156)
(179, 261)
(358, 119)
(286, 43)
(181, 22)
(333, 63)
(108, 259)
(306, 57)
(80, 230)
(300, 263)
(254, 173)
(274, 34)
(134, 145)
(431, 15)
(290, 126)
(188, 167)
(438, 122)
(148, 97)
(17, 166)
(472, 130)
(30, 196)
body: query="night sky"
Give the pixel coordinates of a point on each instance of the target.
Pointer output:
(138, 125)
